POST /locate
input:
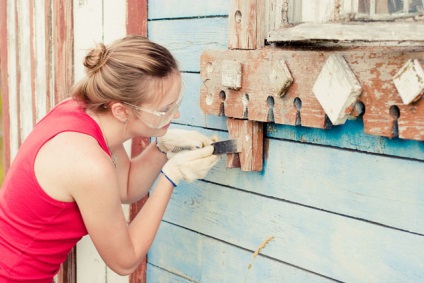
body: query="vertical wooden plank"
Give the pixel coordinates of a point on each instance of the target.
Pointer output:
(13, 78)
(137, 24)
(49, 53)
(86, 14)
(5, 82)
(114, 20)
(251, 135)
(25, 105)
(91, 267)
(38, 42)
(62, 41)
(63, 34)
(246, 24)
(114, 27)
(137, 17)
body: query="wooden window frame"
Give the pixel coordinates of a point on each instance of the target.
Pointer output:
(334, 23)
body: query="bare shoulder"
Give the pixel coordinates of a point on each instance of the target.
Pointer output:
(69, 162)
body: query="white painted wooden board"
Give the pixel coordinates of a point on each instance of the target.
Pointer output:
(12, 78)
(88, 31)
(95, 22)
(203, 259)
(24, 68)
(342, 248)
(39, 30)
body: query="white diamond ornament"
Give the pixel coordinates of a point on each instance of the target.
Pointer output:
(409, 81)
(337, 89)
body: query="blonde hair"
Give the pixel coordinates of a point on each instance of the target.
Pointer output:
(124, 71)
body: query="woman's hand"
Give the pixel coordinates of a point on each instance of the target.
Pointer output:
(177, 140)
(190, 165)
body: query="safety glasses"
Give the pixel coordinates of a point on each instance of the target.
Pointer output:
(157, 119)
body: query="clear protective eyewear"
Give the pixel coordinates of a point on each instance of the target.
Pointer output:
(157, 119)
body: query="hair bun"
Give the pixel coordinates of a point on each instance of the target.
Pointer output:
(95, 58)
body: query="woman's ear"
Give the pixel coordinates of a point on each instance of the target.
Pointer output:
(120, 112)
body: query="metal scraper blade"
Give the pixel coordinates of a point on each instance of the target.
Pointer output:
(226, 146)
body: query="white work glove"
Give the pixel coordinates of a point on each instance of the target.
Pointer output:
(190, 165)
(177, 140)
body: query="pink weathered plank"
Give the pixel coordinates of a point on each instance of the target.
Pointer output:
(246, 24)
(62, 47)
(63, 40)
(4, 84)
(137, 24)
(251, 135)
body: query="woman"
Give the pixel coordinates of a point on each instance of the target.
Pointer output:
(72, 172)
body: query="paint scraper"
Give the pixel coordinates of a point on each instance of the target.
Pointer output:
(226, 146)
(219, 147)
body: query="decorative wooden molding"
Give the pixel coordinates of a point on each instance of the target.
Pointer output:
(409, 81)
(383, 111)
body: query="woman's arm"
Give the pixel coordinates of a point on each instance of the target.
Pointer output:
(140, 173)
(93, 183)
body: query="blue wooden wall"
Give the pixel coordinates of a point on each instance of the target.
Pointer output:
(341, 205)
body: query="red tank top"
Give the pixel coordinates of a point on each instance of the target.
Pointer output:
(36, 231)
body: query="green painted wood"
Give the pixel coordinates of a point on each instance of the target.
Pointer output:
(350, 136)
(188, 38)
(203, 259)
(165, 9)
(338, 247)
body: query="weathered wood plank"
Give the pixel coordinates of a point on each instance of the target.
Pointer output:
(114, 20)
(86, 14)
(246, 24)
(166, 9)
(90, 265)
(25, 70)
(198, 258)
(40, 63)
(250, 134)
(63, 40)
(392, 33)
(136, 17)
(13, 79)
(349, 136)
(187, 39)
(158, 275)
(308, 238)
(335, 180)
(4, 64)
